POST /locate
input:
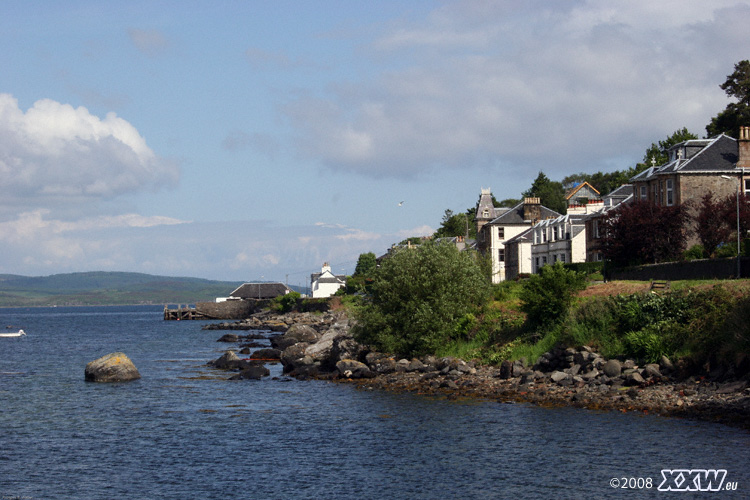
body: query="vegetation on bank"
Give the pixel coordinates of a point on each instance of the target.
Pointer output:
(435, 300)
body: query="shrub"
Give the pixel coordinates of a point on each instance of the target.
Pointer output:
(285, 303)
(547, 296)
(694, 252)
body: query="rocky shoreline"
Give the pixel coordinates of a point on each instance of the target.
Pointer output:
(320, 346)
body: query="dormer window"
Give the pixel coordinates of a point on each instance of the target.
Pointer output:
(486, 213)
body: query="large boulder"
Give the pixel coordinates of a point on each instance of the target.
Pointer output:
(612, 368)
(252, 372)
(229, 361)
(113, 367)
(302, 333)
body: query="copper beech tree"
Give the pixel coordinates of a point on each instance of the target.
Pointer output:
(644, 233)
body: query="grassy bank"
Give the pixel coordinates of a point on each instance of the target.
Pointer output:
(705, 323)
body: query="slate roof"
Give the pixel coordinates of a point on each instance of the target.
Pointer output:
(522, 237)
(719, 154)
(515, 215)
(623, 191)
(260, 290)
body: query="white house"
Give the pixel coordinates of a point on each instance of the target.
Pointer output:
(562, 239)
(495, 226)
(325, 283)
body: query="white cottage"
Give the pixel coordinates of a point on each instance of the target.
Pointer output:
(325, 283)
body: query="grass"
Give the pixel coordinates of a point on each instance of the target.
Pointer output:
(697, 319)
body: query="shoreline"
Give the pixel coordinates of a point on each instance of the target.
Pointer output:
(321, 347)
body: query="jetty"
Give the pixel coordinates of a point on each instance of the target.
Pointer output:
(182, 313)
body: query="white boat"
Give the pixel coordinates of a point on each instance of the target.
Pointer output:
(19, 333)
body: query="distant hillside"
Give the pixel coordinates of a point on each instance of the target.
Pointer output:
(108, 288)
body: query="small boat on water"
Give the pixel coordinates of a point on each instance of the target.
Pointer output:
(19, 333)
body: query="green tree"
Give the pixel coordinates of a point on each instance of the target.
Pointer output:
(550, 193)
(418, 295)
(736, 114)
(546, 297)
(453, 225)
(658, 152)
(366, 264)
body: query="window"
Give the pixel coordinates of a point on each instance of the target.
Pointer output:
(596, 229)
(644, 192)
(544, 260)
(486, 214)
(544, 235)
(501, 233)
(536, 262)
(554, 258)
(670, 192)
(747, 187)
(599, 256)
(501, 255)
(562, 258)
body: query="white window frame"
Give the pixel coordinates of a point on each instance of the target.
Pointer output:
(670, 192)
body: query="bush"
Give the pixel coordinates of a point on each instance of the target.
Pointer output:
(285, 303)
(546, 297)
(419, 295)
(695, 252)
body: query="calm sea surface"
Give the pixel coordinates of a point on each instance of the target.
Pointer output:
(184, 432)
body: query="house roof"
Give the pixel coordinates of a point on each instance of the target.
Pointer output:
(515, 215)
(623, 191)
(260, 291)
(328, 277)
(523, 237)
(719, 154)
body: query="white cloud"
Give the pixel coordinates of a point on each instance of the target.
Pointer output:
(54, 153)
(563, 86)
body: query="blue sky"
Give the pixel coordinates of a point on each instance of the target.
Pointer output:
(239, 140)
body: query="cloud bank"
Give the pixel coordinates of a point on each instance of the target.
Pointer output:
(55, 154)
(517, 84)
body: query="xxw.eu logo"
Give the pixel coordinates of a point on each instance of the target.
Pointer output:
(693, 480)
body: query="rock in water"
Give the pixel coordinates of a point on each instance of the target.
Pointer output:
(114, 367)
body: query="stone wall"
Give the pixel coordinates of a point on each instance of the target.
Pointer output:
(692, 270)
(230, 309)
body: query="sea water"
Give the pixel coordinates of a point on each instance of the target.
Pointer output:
(184, 431)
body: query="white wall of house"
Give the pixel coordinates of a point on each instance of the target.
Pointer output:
(326, 284)
(557, 240)
(498, 236)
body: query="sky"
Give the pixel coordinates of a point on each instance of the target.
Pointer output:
(256, 140)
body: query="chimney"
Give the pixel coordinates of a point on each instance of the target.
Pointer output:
(532, 209)
(744, 148)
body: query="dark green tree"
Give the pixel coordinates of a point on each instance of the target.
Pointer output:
(453, 225)
(418, 295)
(550, 193)
(366, 264)
(658, 151)
(736, 114)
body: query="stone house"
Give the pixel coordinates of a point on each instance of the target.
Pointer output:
(696, 167)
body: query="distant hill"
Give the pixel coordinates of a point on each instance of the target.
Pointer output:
(108, 288)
